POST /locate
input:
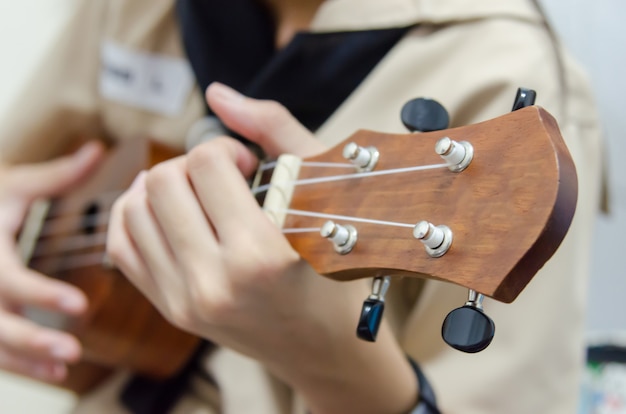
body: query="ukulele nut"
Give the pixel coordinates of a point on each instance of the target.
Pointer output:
(364, 159)
(343, 237)
(458, 155)
(436, 239)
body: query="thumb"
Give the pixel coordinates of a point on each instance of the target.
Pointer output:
(266, 123)
(57, 176)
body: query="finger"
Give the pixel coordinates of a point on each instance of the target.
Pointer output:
(153, 249)
(23, 337)
(222, 190)
(121, 249)
(178, 212)
(266, 123)
(51, 371)
(56, 176)
(20, 286)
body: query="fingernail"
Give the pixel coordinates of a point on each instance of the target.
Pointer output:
(62, 351)
(225, 93)
(56, 346)
(49, 373)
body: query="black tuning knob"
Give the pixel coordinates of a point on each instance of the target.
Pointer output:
(523, 98)
(372, 310)
(468, 328)
(369, 322)
(424, 115)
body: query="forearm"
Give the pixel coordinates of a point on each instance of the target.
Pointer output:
(340, 373)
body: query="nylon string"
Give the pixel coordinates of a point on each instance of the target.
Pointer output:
(81, 260)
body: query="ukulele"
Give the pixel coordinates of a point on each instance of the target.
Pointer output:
(65, 238)
(482, 206)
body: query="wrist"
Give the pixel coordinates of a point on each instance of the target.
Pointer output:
(335, 372)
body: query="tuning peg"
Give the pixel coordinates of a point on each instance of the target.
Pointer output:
(372, 310)
(424, 115)
(343, 237)
(468, 328)
(436, 239)
(523, 98)
(364, 159)
(458, 155)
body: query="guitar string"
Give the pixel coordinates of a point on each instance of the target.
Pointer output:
(74, 261)
(272, 164)
(308, 181)
(52, 247)
(78, 260)
(71, 209)
(102, 218)
(78, 206)
(340, 217)
(51, 226)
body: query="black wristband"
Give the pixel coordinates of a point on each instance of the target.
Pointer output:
(426, 403)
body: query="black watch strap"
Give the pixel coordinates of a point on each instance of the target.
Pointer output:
(427, 403)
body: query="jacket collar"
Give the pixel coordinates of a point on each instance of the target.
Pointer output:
(337, 15)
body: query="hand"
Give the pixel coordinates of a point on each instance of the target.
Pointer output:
(25, 347)
(191, 236)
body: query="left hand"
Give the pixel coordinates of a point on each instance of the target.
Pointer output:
(192, 237)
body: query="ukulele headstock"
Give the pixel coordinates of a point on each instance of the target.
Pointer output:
(506, 211)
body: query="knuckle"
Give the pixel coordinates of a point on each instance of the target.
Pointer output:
(272, 115)
(181, 315)
(209, 154)
(211, 303)
(135, 205)
(160, 176)
(262, 265)
(114, 251)
(218, 309)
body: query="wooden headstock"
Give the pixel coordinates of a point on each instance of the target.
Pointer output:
(508, 211)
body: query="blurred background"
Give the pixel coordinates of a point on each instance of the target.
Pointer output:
(593, 33)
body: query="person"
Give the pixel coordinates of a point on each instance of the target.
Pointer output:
(231, 277)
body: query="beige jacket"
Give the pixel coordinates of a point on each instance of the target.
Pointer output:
(471, 56)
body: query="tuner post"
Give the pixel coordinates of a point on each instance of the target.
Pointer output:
(363, 158)
(343, 237)
(458, 155)
(475, 299)
(436, 239)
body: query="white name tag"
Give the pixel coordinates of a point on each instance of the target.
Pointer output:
(147, 81)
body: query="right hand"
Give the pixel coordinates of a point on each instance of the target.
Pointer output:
(25, 347)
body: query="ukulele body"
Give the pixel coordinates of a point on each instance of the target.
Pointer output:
(121, 329)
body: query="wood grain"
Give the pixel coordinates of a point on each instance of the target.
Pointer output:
(509, 210)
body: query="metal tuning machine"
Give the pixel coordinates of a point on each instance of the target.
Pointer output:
(424, 115)
(523, 98)
(372, 310)
(468, 328)
(343, 237)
